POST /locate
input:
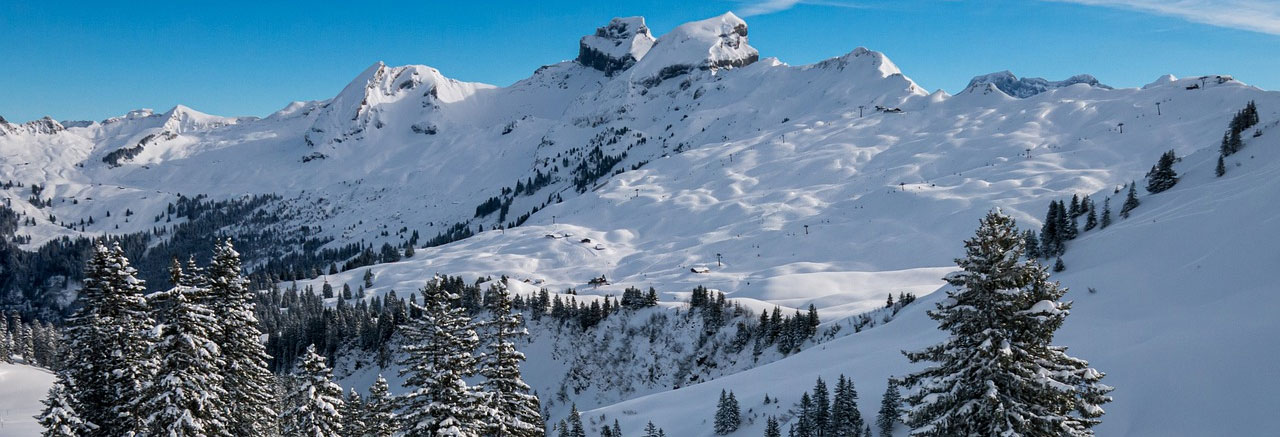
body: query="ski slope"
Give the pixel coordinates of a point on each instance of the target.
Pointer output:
(21, 389)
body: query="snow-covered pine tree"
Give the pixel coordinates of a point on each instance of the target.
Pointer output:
(353, 415)
(1068, 229)
(246, 379)
(1058, 265)
(846, 420)
(1162, 177)
(314, 401)
(1106, 214)
(728, 417)
(889, 409)
(1090, 222)
(652, 430)
(6, 341)
(515, 410)
(1221, 169)
(1130, 201)
(380, 411)
(617, 429)
(997, 373)
(771, 428)
(186, 397)
(439, 352)
(59, 417)
(108, 339)
(803, 425)
(1033, 243)
(575, 423)
(821, 408)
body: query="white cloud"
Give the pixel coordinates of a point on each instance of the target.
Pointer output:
(764, 7)
(1254, 15)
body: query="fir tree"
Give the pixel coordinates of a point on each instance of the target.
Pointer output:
(6, 341)
(1162, 177)
(315, 403)
(246, 379)
(1130, 202)
(821, 409)
(617, 429)
(889, 413)
(353, 415)
(1067, 226)
(1058, 265)
(380, 411)
(652, 430)
(727, 414)
(1090, 222)
(186, 397)
(108, 339)
(438, 349)
(1221, 169)
(515, 410)
(803, 425)
(771, 428)
(997, 374)
(846, 420)
(1033, 244)
(59, 417)
(575, 423)
(1106, 214)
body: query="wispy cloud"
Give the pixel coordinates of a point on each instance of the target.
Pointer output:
(1253, 15)
(765, 7)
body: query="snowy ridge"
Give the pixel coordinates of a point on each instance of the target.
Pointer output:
(617, 46)
(1026, 87)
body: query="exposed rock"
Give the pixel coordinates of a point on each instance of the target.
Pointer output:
(617, 46)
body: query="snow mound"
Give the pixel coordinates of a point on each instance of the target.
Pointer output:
(712, 44)
(1026, 87)
(617, 46)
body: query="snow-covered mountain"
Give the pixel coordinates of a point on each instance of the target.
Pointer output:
(646, 159)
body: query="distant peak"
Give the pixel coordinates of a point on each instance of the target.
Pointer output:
(1008, 83)
(712, 44)
(616, 46)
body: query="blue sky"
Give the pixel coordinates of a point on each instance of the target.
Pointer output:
(89, 61)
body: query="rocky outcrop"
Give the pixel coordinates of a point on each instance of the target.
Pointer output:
(617, 46)
(713, 44)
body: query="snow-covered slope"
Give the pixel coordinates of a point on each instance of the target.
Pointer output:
(830, 184)
(1179, 319)
(21, 389)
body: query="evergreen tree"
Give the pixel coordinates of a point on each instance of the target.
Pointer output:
(1058, 265)
(439, 352)
(1067, 226)
(1130, 202)
(1090, 222)
(728, 416)
(821, 409)
(889, 412)
(1033, 244)
(59, 417)
(1162, 177)
(1221, 169)
(617, 429)
(248, 383)
(1106, 214)
(652, 430)
(771, 428)
(803, 425)
(846, 420)
(353, 416)
(1049, 239)
(315, 402)
(997, 374)
(575, 423)
(380, 411)
(515, 410)
(186, 397)
(6, 341)
(108, 339)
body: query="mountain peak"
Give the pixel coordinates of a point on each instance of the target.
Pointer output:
(1008, 83)
(712, 44)
(616, 46)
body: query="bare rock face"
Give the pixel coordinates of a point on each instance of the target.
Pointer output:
(617, 46)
